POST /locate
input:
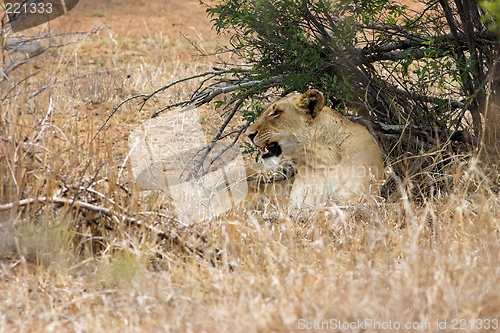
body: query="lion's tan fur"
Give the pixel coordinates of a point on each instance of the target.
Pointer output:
(269, 184)
(337, 160)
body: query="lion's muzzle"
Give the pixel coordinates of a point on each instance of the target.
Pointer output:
(268, 150)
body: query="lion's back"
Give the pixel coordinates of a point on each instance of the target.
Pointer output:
(342, 163)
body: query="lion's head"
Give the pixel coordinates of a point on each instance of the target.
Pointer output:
(283, 126)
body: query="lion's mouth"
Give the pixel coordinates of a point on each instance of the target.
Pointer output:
(270, 150)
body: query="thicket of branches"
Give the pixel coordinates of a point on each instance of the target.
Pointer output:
(418, 78)
(426, 67)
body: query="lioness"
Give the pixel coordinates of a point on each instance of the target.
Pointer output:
(337, 160)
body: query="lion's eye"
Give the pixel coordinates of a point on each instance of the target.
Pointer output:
(276, 113)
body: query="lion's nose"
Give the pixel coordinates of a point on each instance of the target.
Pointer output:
(252, 135)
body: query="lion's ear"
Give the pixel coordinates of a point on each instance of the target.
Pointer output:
(312, 101)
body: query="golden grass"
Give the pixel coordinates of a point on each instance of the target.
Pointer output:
(67, 269)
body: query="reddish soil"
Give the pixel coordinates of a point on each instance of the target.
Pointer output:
(138, 18)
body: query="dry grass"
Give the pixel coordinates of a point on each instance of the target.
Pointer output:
(65, 267)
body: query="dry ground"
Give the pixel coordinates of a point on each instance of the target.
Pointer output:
(66, 268)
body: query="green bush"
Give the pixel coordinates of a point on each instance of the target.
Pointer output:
(379, 58)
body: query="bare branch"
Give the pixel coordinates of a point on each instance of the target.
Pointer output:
(206, 97)
(217, 136)
(146, 97)
(172, 236)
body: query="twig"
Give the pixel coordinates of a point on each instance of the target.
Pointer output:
(76, 203)
(217, 136)
(203, 54)
(9, 166)
(44, 121)
(35, 92)
(241, 130)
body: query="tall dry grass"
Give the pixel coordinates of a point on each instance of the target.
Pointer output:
(82, 250)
